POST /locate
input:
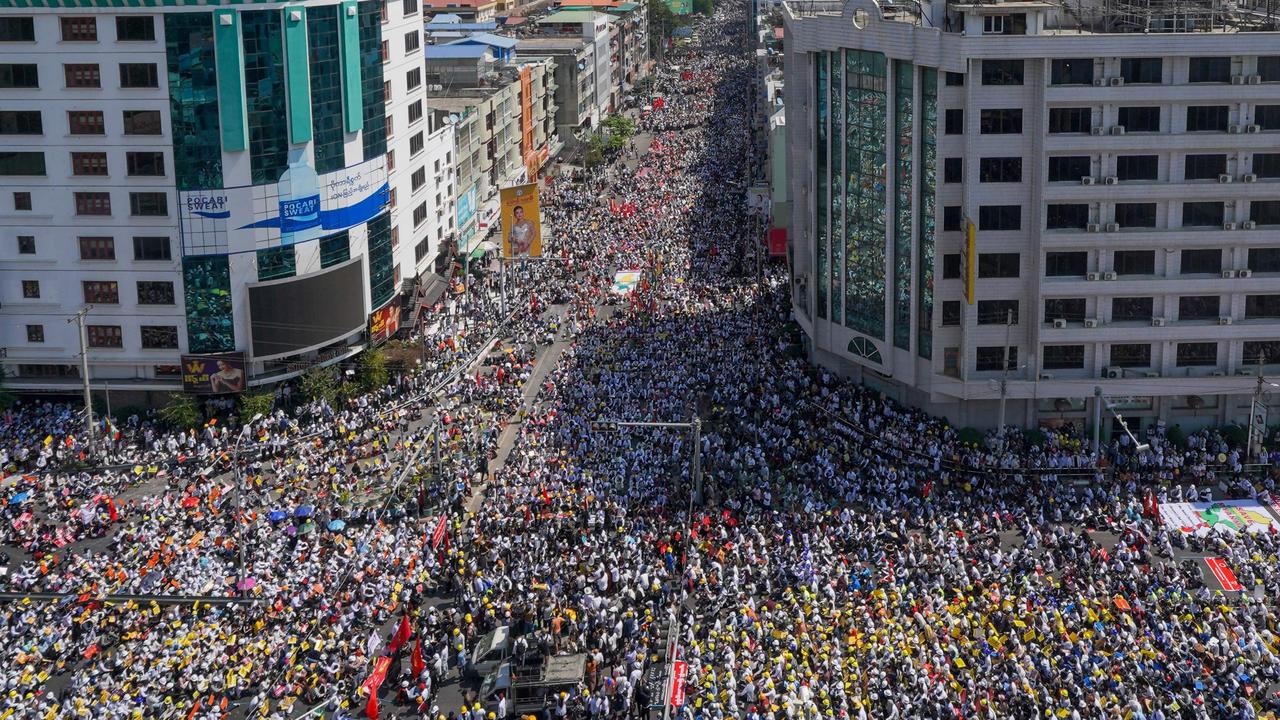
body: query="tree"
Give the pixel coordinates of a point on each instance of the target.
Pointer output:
(181, 411)
(703, 7)
(254, 403)
(371, 369)
(620, 130)
(661, 22)
(318, 383)
(595, 150)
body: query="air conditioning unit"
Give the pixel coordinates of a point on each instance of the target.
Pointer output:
(1233, 129)
(1093, 227)
(1237, 80)
(1110, 180)
(1255, 79)
(1113, 373)
(1224, 320)
(1253, 129)
(1087, 181)
(1117, 82)
(1244, 274)
(1093, 276)
(1158, 322)
(1109, 275)
(1097, 131)
(1224, 178)
(1091, 322)
(1249, 177)
(1228, 226)
(1228, 274)
(1113, 227)
(1117, 130)
(1059, 324)
(1099, 82)
(1150, 374)
(1248, 225)
(1217, 373)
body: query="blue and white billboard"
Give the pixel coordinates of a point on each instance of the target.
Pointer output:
(466, 207)
(300, 206)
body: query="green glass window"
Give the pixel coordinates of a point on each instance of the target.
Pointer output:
(193, 100)
(264, 88)
(375, 124)
(206, 289)
(903, 128)
(864, 180)
(820, 248)
(837, 186)
(381, 272)
(925, 218)
(277, 262)
(334, 249)
(326, 88)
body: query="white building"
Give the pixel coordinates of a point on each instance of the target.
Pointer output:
(1119, 169)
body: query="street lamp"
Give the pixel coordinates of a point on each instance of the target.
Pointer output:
(235, 463)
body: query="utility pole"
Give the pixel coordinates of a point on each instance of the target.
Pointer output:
(1255, 407)
(1097, 422)
(1004, 376)
(78, 319)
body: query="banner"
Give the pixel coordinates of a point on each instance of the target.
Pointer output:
(521, 221)
(969, 257)
(679, 669)
(1226, 578)
(384, 322)
(214, 374)
(376, 677)
(624, 281)
(437, 535)
(777, 242)
(1231, 515)
(466, 207)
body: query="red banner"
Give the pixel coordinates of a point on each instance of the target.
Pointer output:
(678, 671)
(376, 677)
(777, 242)
(1225, 577)
(438, 534)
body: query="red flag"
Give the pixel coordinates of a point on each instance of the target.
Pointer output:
(545, 497)
(371, 708)
(418, 664)
(402, 634)
(111, 510)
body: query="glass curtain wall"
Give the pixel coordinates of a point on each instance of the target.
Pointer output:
(903, 124)
(925, 219)
(326, 88)
(206, 286)
(865, 190)
(334, 249)
(375, 122)
(263, 87)
(381, 272)
(822, 203)
(193, 100)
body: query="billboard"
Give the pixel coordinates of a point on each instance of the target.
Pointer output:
(214, 374)
(384, 322)
(297, 314)
(298, 207)
(777, 242)
(466, 207)
(521, 221)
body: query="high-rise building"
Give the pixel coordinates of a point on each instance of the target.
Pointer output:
(210, 179)
(1039, 201)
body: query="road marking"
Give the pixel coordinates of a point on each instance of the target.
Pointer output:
(1226, 578)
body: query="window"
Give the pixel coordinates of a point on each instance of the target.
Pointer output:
(410, 7)
(416, 143)
(954, 79)
(97, 248)
(35, 333)
(1066, 264)
(277, 262)
(1126, 309)
(82, 75)
(1000, 217)
(415, 111)
(105, 336)
(1140, 119)
(1260, 259)
(951, 218)
(138, 75)
(151, 248)
(154, 204)
(1000, 170)
(1136, 215)
(1141, 70)
(145, 163)
(1265, 212)
(1266, 165)
(135, 28)
(390, 126)
(1261, 352)
(142, 122)
(79, 29)
(1001, 72)
(420, 214)
(1067, 216)
(19, 75)
(22, 163)
(1267, 117)
(1134, 262)
(1137, 167)
(1201, 262)
(93, 203)
(26, 244)
(413, 78)
(991, 357)
(1071, 71)
(997, 312)
(159, 337)
(953, 170)
(1000, 121)
(411, 42)
(1070, 120)
(1208, 118)
(85, 122)
(951, 266)
(21, 122)
(951, 313)
(88, 163)
(1209, 70)
(102, 292)
(1131, 356)
(1204, 167)
(1202, 214)
(993, 24)
(1063, 356)
(954, 122)
(17, 29)
(1069, 168)
(998, 265)
(22, 200)
(1199, 307)
(418, 178)
(155, 292)
(1197, 354)
(31, 289)
(1069, 309)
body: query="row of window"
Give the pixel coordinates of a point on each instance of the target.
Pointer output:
(141, 204)
(1078, 120)
(31, 163)
(1071, 168)
(107, 292)
(80, 75)
(990, 358)
(153, 337)
(129, 28)
(1075, 216)
(104, 248)
(80, 122)
(1075, 263)
(1123, 309)
(1133, 71)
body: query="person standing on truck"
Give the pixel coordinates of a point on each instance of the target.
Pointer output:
(502, 706)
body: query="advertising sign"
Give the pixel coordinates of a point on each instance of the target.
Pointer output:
(679, 670)
(384, 322)
(521, 221)
(298, 207)
(214, 374)
(970, 259)
(466, 207)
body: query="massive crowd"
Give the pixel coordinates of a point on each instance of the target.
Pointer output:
(872, 568)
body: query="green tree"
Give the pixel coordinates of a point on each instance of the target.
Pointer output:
(661, 22)
(703, 7)
(371, 369)
(182, 411)
(254, 403)
(620, 129)
(318, 383)
(595, 150)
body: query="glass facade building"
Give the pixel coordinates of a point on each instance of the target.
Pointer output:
(206, 285)
(326, 88)
(264, 87)
(925, 213)
(193, 100)
(335, 249)
(381, 261)
(372, 91)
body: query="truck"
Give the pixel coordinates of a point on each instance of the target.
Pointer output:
(490, 651)
(533, 682)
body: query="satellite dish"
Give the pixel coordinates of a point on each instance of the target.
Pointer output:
(453, 119)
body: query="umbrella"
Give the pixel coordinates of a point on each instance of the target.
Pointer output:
(337, 525)
(308, 528)
(291, 530)
(246, 584)
(277, 515)
(190, 501)
(20, 497)
(304, 511)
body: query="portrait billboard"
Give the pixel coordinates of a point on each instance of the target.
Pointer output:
(521, 221)
(384, 322)
(214, 374)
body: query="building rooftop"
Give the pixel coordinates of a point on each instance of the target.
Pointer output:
(436, 26)
(454, 51)
(551, 43)
(484, 38)
(565, 17)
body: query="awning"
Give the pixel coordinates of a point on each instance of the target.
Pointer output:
(478, 253)
(433, 287)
